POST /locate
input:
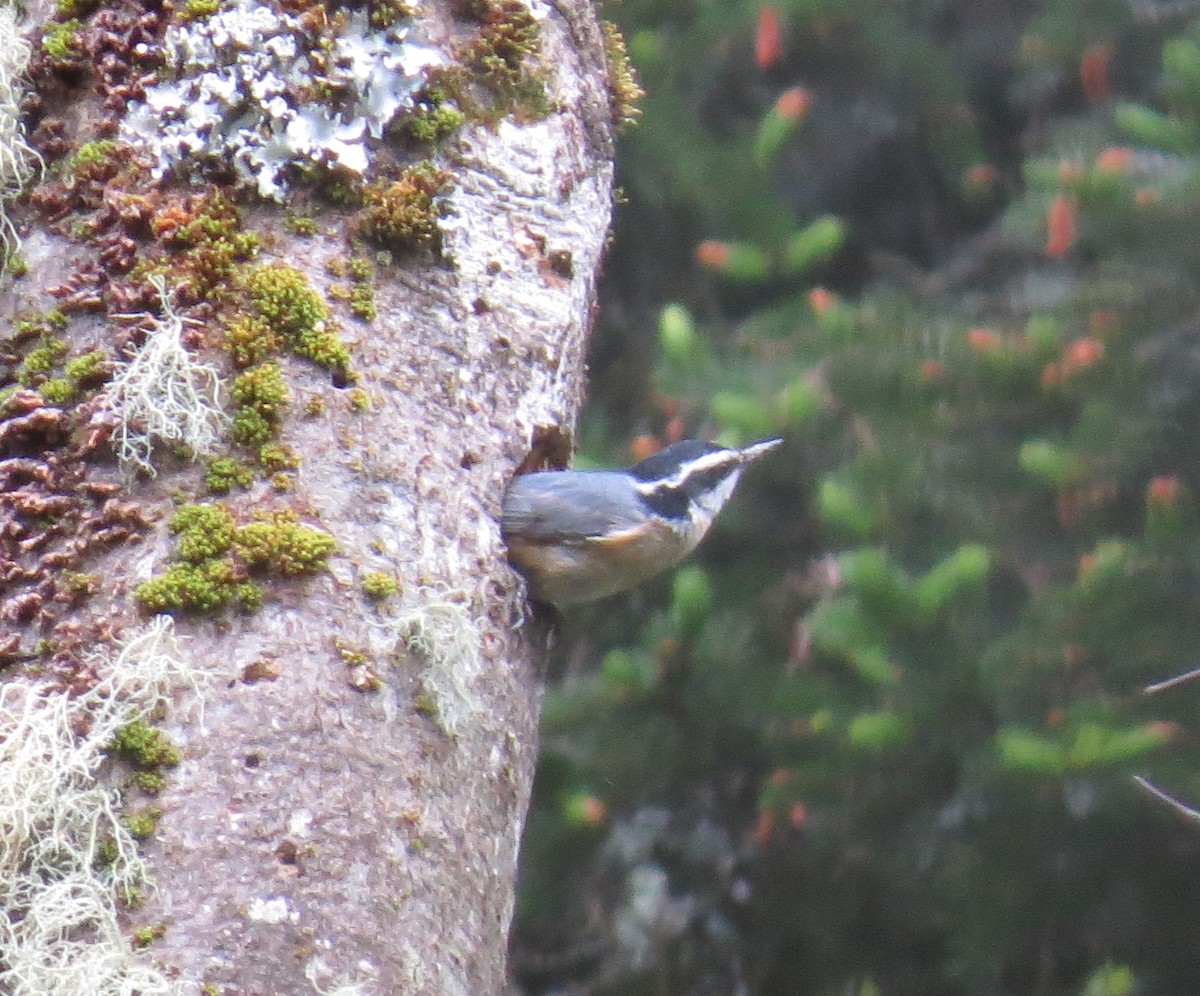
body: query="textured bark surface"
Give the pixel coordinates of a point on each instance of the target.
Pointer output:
(316, 834)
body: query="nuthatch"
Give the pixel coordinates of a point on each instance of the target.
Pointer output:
(579, 535)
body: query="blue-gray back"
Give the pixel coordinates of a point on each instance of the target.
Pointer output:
(570, 506)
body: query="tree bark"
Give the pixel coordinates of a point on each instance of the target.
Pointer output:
(325, 829)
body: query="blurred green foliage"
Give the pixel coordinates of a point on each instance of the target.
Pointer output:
(901, 684)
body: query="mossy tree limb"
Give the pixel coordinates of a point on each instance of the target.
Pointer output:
(343, 834)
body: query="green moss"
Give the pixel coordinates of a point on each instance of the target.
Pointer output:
(250, 339)
(81, 372)
(15, 265)
(44, 324)
(68, 9)
(150, 782)
(385, 13)
(141, 826)
(500, 60)
(299, 224)
(223, 474)
(196, 9)
(106, 853)
(61, 39)
(215, 555)
(280, 545)
(403, 214)
(282, 297)
(432, 118)
(362, 302)
(426, 705)
(204, 530)
(360, 401)
(378, 586)
(624, 91)
(88, 369)
(43, 358)
(275, 458)
(361, 295)
(77, 583)
(259, 395)
(144, 746)
(203, 587)
(58, 391)
(130, 896)
(145, 936)
(209, 245)
(96, 161)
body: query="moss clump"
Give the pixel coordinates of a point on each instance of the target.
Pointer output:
(87, 370)
(212, 572)
(362, 294)
(258, 395)
(275, 458)
(77, 583)
(205, 531)
(150, 782)
(143, 937)
(282, 297)
(402, 215)
(378, 586)
(141, 826)
(385, 13)
(196, 9)
(206, 233)
(57, 391)
(40, 360)
(61, 40)
(300, 224)
(250, 339)
(198, 588)
(68, 9)
(80, 373)
(223, 474)
(144, 746)
(14, 265)
(95, 162)
(432, 117)
(496, 73)
(280, 545)
(45, 324)
(623, 89)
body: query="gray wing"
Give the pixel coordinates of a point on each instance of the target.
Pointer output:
(569, 506)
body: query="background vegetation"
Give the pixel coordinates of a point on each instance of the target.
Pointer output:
(880, 735)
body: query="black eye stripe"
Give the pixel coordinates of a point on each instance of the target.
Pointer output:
(706, 480)
(670, 503)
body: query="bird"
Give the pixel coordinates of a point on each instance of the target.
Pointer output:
(582, 535)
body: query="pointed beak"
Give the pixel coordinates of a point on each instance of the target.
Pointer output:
(755, 450)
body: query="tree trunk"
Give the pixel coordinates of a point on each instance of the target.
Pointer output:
(349, 803)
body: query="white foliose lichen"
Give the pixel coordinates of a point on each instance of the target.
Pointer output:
(59, 926)
(164, 393)
(253, 88)
(18, 162)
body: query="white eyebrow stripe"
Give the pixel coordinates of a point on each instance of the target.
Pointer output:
(706, 461)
